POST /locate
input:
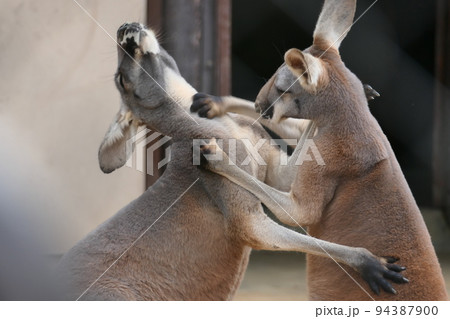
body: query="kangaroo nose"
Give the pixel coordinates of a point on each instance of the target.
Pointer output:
(257, 107)
(129, 34)
(264, 109)
(121, 31)
(268, 112)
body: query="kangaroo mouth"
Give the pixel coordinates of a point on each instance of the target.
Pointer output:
(268, 113)
(129, 36)
(132, 36)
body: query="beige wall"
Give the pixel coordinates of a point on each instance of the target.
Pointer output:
(57, 98)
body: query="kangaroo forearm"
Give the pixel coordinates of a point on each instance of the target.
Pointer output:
(290, 128)
(268, 235)
(279, 203)
(239, 106)
(183, 124)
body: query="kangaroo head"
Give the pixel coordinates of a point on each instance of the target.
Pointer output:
(150, 86)
(314, 83)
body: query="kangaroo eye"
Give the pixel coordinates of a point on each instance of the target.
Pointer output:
(281, 91)
(121, 81)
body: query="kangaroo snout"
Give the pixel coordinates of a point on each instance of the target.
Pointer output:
(135, 35)
(129, 35)
(265, 109)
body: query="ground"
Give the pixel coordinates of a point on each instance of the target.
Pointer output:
(282, 276)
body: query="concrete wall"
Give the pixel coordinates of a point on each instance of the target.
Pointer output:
(57, 98)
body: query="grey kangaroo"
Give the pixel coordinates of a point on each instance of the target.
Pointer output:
(189, 236)
(360, 195)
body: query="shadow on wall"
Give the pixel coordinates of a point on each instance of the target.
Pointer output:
(57, 98)
(27, 201)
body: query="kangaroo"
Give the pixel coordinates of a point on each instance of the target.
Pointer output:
(189, 236)
(360, 195)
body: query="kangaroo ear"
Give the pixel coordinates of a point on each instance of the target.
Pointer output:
(334, 22)
(114, 151)
(307, 67)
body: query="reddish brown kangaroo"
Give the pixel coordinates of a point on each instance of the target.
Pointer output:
(360, 196)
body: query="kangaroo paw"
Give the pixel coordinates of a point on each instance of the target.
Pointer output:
(207, 105)
(378, 272)
(207, 150)
(371, 93)
(212, 157)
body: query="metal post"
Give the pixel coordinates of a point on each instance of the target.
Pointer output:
(197, 33)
